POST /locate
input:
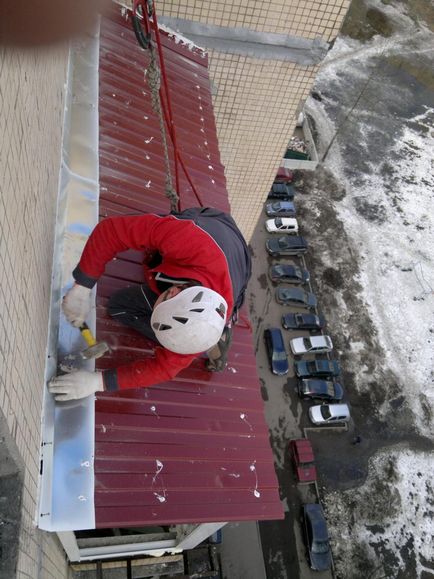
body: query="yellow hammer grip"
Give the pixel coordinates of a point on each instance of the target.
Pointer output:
(87, 335)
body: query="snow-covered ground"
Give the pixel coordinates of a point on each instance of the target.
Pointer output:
(378, 96)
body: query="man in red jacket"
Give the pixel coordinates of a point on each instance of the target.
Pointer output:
(192, 292)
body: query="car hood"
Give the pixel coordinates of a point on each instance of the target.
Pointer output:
(273, 244)
(297, 345)
(315, 413)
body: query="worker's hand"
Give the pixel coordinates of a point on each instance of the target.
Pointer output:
(75, 385)
(76, 304)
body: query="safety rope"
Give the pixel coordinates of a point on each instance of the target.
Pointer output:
(154, 81)
(162, 109)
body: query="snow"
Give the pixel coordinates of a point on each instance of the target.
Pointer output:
(399, 484)
(397, 248)
(388, 217)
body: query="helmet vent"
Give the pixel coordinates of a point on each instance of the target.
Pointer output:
(197, 297)
(160, 327)
(221, 310)
(199, 310)
(180, 320)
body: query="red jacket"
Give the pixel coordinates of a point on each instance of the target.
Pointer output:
(187, 252)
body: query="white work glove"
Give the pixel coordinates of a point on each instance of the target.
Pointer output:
(76, 305)
(75, 385)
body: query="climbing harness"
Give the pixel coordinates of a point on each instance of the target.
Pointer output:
(144, 20)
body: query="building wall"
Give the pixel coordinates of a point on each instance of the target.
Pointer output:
(256, 100)
(31, 112)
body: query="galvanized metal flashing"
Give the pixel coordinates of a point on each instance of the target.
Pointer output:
(67, 476)
(247, 42)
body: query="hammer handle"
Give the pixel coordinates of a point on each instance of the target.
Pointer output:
(87, 335)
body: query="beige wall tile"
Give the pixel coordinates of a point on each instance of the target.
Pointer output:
(256, 100)
(31, 111)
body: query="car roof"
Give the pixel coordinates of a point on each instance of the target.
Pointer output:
(339, 409)
(319, 340)
(323, 363)
(304, 449)
(316, 385)
(292, 291)
(284, 204)
(276, 335)
(285, 220)
(316, 517)
(285, 267)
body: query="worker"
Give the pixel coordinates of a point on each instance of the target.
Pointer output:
(193, 291)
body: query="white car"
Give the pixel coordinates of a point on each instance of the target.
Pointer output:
(311, 345)
(329, 413)
(282, 225)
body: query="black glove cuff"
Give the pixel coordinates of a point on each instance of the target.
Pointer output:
(83, 279)
(110, 378)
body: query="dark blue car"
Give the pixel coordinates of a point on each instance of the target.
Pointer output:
(315, 389)
(317, 368)
(276, 351)
(310, 322)
(282, 191)
(317, 537)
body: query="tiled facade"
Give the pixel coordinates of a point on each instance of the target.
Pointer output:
(256, 100)
(31, 112)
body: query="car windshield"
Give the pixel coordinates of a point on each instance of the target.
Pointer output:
(278, 269)
(278, 222)
(330, 389)
(283, 242)
(276, 206)
(325, 412)
(306, 343)
(297, 272)
(279, 356)
(320, 546)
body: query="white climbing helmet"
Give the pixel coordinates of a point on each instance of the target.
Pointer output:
(190, 322)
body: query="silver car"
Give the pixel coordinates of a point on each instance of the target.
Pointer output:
(311, 345)
(329, 413)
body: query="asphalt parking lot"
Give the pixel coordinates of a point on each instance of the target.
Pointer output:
(282, 541)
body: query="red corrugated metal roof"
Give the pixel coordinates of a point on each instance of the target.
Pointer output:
(194, 449)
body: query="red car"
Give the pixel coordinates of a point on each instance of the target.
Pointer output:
(302, 455)
(284, 175)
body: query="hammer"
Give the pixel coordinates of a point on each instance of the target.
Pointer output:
(95, 349)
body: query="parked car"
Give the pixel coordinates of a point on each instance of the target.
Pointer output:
(304, 461)
(317, 368)
(313, 389)
(280, 209)
(282, 225)
(276, 351)
(295, 296)
(311, 345)
(316, 537)
(286, 245)
(288, 274)
(282, 191)
(284, 174)
(303, 322)
(329, 413)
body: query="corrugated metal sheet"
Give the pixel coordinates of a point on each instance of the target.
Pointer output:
(194, 449)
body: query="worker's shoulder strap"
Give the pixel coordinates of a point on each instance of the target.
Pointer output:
(223, 229)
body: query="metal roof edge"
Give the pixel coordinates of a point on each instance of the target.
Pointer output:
(66, 498)
(247, 42)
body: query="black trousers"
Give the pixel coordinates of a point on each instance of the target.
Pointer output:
(132, 306)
